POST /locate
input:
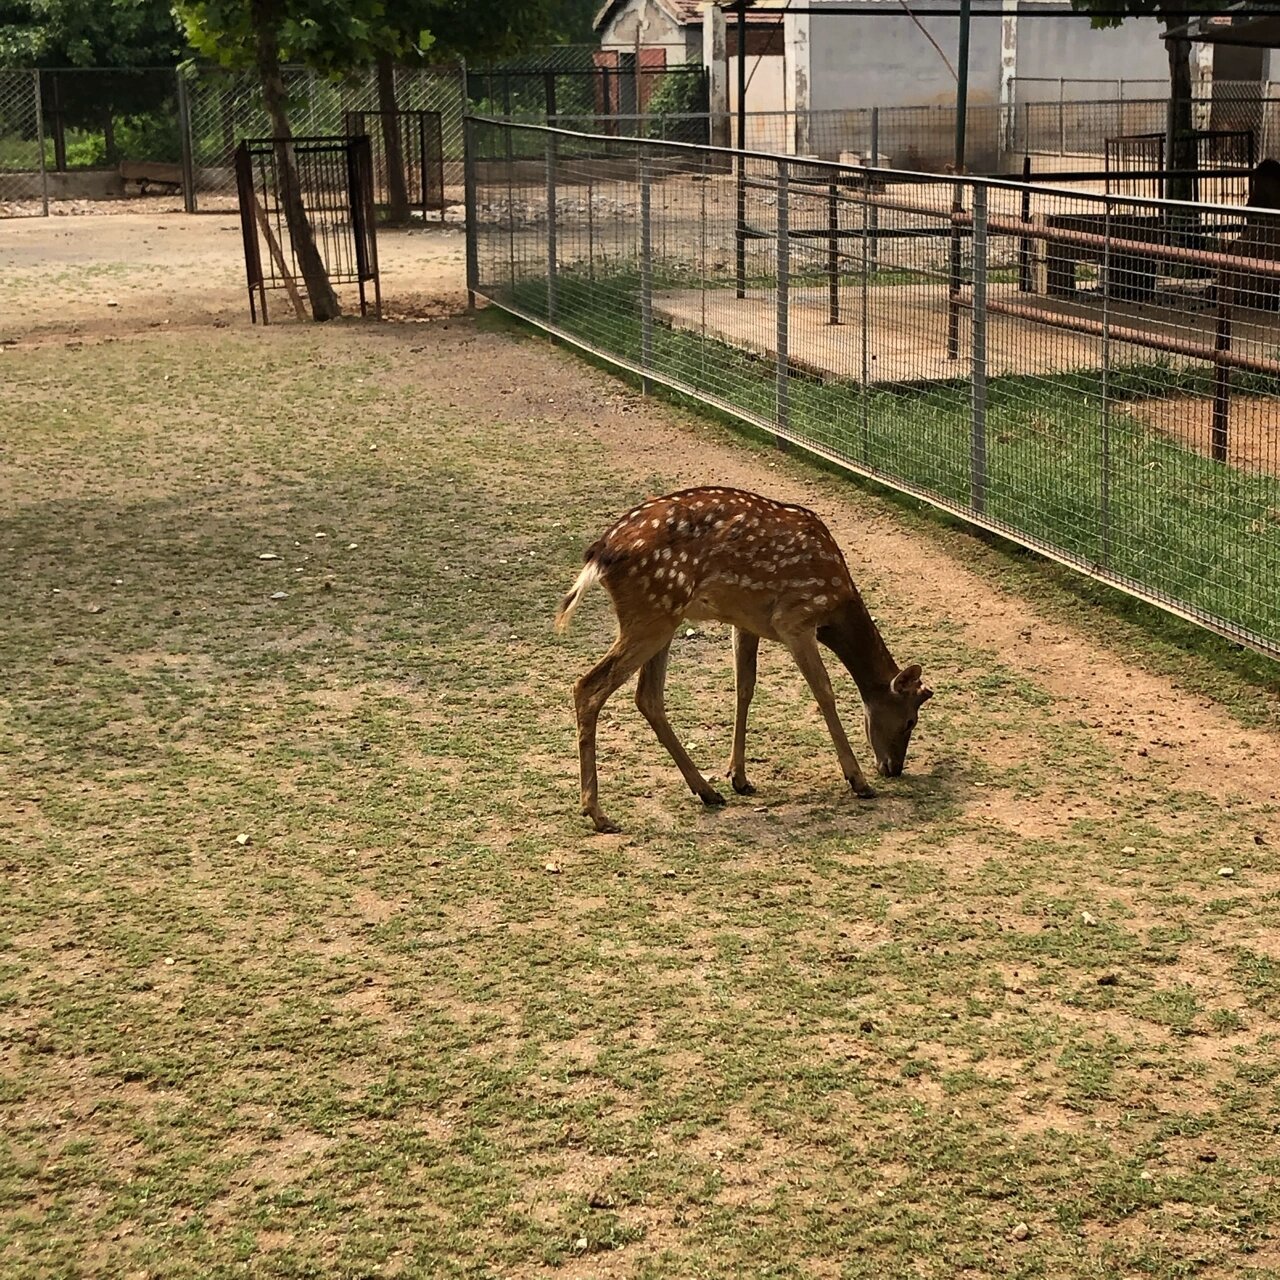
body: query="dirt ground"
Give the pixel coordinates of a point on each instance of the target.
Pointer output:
(144, 264)
(1015, 1017)
(119, 276)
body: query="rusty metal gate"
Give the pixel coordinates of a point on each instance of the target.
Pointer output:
(419, 137)
(335, 176)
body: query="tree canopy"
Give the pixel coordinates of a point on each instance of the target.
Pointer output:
(1172, 12)
(340, 36)
(89, 33)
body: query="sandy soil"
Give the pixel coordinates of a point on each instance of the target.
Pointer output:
(133, 270)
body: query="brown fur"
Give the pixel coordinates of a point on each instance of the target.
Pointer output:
(772, 571)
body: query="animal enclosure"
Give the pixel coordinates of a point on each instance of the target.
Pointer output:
(335, 181)
(1095, 376)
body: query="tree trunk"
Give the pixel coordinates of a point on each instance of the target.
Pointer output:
(109, 138)
(59, 126)
(1181, 147)
(397, 190)
(324, 302)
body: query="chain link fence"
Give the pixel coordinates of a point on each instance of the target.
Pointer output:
(97, 133)
(24, 186)
(1096, 377)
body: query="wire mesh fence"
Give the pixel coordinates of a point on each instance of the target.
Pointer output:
(23, 182)
(1094, 376)
(1066, 126)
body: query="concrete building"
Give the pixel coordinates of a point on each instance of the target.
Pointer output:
(811, 65)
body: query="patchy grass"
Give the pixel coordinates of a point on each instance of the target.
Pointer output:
(800, 1037)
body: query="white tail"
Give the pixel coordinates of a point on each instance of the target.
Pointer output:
(770, 570)
(573, 597)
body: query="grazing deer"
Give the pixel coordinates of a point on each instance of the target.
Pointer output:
(769, 570)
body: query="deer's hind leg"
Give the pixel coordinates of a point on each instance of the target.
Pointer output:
(651, 699)
(746, 649)
(626, 656)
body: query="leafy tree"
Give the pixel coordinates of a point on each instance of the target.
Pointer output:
(1174, 14)
(331, 36)
(89, 33)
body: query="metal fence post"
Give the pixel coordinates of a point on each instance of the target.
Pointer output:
(1104, 488)
(646, 274)
(874, 209)
(782, 406)
(188, 158)
(44, 168)
(552, 255)
(868, 250)
(978, 439)
(472, 229)
(833, 254)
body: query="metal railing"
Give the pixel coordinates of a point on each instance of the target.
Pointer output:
(1094, 376)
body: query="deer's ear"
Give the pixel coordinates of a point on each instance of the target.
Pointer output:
(924, 695)
(907, 680)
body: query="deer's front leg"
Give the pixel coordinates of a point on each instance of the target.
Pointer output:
(804, 649)
(746, 649)
(651, 699)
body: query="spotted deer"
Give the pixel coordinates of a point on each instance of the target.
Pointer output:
(770, 570)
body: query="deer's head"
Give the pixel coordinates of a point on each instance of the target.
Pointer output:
(891, 717)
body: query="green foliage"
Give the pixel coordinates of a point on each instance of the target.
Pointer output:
(1171, 12)
(338, 38)
(88, 33)
(328, 36)
(678, 93)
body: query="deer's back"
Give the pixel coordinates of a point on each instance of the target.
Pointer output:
(719, 553)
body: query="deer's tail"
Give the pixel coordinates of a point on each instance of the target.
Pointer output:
(573, 597)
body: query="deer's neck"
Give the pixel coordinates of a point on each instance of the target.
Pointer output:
(853, 637)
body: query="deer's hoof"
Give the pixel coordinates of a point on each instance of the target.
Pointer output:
(604, 826)
(862, 790)
(711, 798)
(744, 788)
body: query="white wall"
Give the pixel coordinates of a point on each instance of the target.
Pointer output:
(1071, 48)
(888, 61)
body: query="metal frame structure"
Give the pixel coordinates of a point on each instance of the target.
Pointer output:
(335, 175)
(421, 149)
